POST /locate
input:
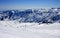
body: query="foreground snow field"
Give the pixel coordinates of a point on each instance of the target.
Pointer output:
(12, 29)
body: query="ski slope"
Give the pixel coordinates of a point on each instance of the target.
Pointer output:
(14, 29)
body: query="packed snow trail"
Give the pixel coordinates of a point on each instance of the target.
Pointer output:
(12, 29)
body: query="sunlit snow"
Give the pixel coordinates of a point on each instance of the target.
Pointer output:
(12, 29)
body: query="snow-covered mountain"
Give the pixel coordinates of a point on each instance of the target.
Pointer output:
(32, 15)
(26, 23)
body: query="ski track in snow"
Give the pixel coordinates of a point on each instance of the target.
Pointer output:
(12, 29)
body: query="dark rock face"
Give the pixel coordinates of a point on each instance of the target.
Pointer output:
(56, 18)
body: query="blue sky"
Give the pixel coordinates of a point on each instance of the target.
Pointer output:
(26, 4)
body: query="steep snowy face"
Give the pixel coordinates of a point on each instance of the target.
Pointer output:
(29, 15)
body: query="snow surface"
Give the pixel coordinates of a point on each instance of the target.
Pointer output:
(12, 29)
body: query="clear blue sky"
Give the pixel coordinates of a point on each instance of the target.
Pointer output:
(24, 4)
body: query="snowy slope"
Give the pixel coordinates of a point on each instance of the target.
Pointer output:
(12, 29)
